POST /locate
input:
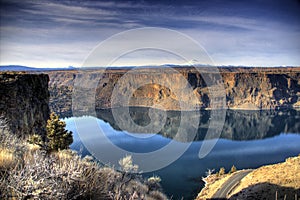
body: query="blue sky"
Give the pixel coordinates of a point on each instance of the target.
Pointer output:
(52, 33)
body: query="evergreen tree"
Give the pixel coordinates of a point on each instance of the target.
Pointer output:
(58, 137)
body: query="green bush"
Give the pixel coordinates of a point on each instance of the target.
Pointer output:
(36, 139)
(58, 137)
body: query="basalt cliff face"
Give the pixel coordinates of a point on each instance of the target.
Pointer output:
(245, 88)
(24, 102)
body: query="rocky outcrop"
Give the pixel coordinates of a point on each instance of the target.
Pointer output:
(60, 90)
(245, 88)
(262, 90)
(24, 102)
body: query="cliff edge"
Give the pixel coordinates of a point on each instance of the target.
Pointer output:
(245, 88)
(24, 102)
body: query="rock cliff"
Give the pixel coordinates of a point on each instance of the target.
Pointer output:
(24, 102)
(245, 88)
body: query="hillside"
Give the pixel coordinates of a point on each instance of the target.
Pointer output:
(267, 182)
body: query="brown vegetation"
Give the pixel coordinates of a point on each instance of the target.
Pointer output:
(212, 183)
(282, 179)
(277, 181)
(32, 173)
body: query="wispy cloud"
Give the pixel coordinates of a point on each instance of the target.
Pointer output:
(248, 33)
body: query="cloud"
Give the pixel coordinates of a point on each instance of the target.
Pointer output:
(256, 33)
(50, 55)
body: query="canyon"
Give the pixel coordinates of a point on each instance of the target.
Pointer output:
(243, 88)
(26, 95)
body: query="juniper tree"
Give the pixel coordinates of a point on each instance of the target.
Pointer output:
(57, 135)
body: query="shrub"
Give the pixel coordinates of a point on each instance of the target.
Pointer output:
(7, 139)
(209, 172)
(48, 176)
(153, 182)
(11, 147)
(233, 169)
(36, 140)
(154, 179)
(221, 171)
(58, 137)
(127, 165)
(65, 175)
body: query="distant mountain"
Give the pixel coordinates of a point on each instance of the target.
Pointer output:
(229, 67)
(25, 68)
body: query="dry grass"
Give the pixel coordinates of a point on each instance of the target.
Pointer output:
(284, 174)
(33, 147)
(11, 147)
(282, 178)
(267, 182)
(212, 184)
(50, 177)
(7, 159)
(27, 172)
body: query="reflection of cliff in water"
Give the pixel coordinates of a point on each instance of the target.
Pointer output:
(239, 125)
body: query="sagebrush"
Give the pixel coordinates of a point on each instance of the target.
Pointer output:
(39, 174)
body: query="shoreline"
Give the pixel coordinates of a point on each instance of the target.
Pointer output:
(204, 109)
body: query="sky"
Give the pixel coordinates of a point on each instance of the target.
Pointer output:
(53, 33)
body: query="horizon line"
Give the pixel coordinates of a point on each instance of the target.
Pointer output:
(149, 65)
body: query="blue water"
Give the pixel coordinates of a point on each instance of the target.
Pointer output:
(266, 138)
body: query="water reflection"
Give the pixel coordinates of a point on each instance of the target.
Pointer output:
(239, 125)
(249, 139)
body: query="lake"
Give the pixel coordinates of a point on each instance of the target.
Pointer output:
(249, 139)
